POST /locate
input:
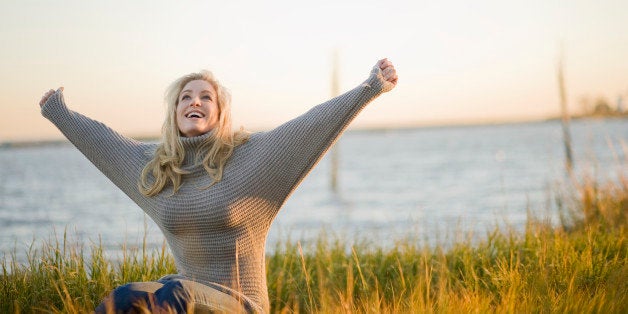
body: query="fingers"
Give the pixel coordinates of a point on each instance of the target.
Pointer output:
(388, 70)
(384, 63)
(44, 98)
(390, 74)
(47, 95)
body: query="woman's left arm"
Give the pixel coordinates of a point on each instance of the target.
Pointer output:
(291, 150)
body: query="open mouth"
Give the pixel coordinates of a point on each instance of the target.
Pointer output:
(194, 115)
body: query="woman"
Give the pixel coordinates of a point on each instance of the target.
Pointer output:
(213, 193)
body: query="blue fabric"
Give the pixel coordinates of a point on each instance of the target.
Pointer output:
(174, 294)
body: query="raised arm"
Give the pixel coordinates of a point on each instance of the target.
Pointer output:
(292, 149)
(119, 158)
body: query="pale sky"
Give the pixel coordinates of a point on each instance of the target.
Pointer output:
(458, 61)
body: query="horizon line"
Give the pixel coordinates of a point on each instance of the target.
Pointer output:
(29, 142)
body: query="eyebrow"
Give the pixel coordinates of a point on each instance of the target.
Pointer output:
(203, 91)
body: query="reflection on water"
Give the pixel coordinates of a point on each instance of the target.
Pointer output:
(392, 184)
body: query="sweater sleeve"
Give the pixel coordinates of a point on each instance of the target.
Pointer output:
(120, 159)
(288, 152)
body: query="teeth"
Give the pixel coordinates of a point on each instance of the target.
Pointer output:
(194, 115)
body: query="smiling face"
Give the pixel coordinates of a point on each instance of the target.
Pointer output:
(197, 108)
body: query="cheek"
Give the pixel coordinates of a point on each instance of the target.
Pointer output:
(178, 111)
(178, 117)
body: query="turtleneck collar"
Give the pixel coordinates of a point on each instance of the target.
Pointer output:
(192, 146)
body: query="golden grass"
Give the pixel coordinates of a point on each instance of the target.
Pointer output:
(578, 266)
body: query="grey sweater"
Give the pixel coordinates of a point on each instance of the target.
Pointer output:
(217, 235)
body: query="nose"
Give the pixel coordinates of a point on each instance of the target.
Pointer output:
(196, 102)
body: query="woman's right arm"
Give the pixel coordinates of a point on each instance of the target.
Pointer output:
(119, 158)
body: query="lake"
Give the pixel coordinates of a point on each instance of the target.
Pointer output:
(429, 183)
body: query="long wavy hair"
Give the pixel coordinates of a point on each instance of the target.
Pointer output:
(165, 167)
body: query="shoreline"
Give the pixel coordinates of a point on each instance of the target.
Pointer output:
(401, 127)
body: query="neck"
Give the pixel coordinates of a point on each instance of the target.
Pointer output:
(193, 146)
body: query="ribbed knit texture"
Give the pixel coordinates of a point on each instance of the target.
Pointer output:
(218, 234)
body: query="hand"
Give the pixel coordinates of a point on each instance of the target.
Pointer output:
(47, 95)
(388, 72)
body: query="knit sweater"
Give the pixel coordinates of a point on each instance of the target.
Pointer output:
(217, 235)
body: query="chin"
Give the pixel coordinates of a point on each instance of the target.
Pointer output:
(193, 133)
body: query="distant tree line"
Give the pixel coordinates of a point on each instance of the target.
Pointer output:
(602, 106)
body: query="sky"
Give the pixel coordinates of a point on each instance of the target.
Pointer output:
(457, 61)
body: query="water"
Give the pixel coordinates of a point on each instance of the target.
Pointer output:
(425, 182)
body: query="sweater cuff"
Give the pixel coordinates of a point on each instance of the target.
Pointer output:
(376, 81)
(53, 106)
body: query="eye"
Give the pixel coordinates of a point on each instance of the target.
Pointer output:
(184, 97)
(207, 97)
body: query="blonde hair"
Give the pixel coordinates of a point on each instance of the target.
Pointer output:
(165, 167)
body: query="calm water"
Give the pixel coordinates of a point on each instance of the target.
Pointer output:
(392, 184)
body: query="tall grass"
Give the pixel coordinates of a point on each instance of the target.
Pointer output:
(61, 277)
(574, 267)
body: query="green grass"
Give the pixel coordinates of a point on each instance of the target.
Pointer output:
(578, 266)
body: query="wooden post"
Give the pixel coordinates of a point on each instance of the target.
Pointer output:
(565, 117)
